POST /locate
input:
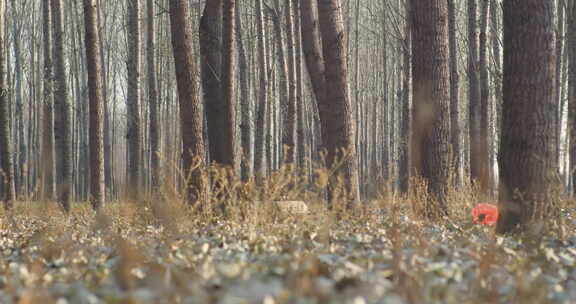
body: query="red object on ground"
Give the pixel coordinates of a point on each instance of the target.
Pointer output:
(485, 214)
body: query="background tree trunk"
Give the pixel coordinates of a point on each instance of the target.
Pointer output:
(63, 117)
(134, 135)
(474, 92)
(48, 172)
(9, 195)
(94, 66)
(153, 97)
(484, 152)
(227, 154)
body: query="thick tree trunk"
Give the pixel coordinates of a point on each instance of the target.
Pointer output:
(134, 136)
(312, 49)
(431, 98)
(94, 66)
(571, 32)
(336, 109)
(189, 102)
(63, 116)
(528, 162)
(9, 195)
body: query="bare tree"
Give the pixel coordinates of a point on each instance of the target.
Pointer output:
(473, 91)
(454, 95)
(484, 152)
(228, 155)
(336, 108)
(94, 66)
(188, 99)
(48, 172)
(528, 162)
(9, 195)
(263, 107)
(153, 96)
(431, 97)
(133, 135)
(63, 116)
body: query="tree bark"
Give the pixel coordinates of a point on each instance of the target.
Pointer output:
(9, 195)
(190, 107)
(528, 162)
(133, 135)
(336, 109)
(473, 92)
(454, 96)
(484, 153)
(290, 140)
(227, 153)
(431, 98)
(153, 97)
(405, 157)
(571, 32)
(48, 172)
(63, 116)
(94, 66)
(263, 107)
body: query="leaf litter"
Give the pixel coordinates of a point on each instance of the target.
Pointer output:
(88, 258)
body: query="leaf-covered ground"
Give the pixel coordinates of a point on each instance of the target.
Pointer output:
(129, 254)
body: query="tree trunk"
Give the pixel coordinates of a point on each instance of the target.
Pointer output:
(260, 142)
(63, 117)
(48, 172)
(473, 93)
(336, 109)
(153, 98)
(431, 98)
(189, 102)
(94, 66)
(227, 154)
(9, 195)
(133, 135)
(405, 158)
(211, 69)
(246, 105)
(528, 167)
(454, 96)
(571, 32)
(290, 140)
(484, 154)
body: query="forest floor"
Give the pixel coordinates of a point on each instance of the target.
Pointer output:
(139, 253)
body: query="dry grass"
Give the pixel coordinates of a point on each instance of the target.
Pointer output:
(158, 250)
